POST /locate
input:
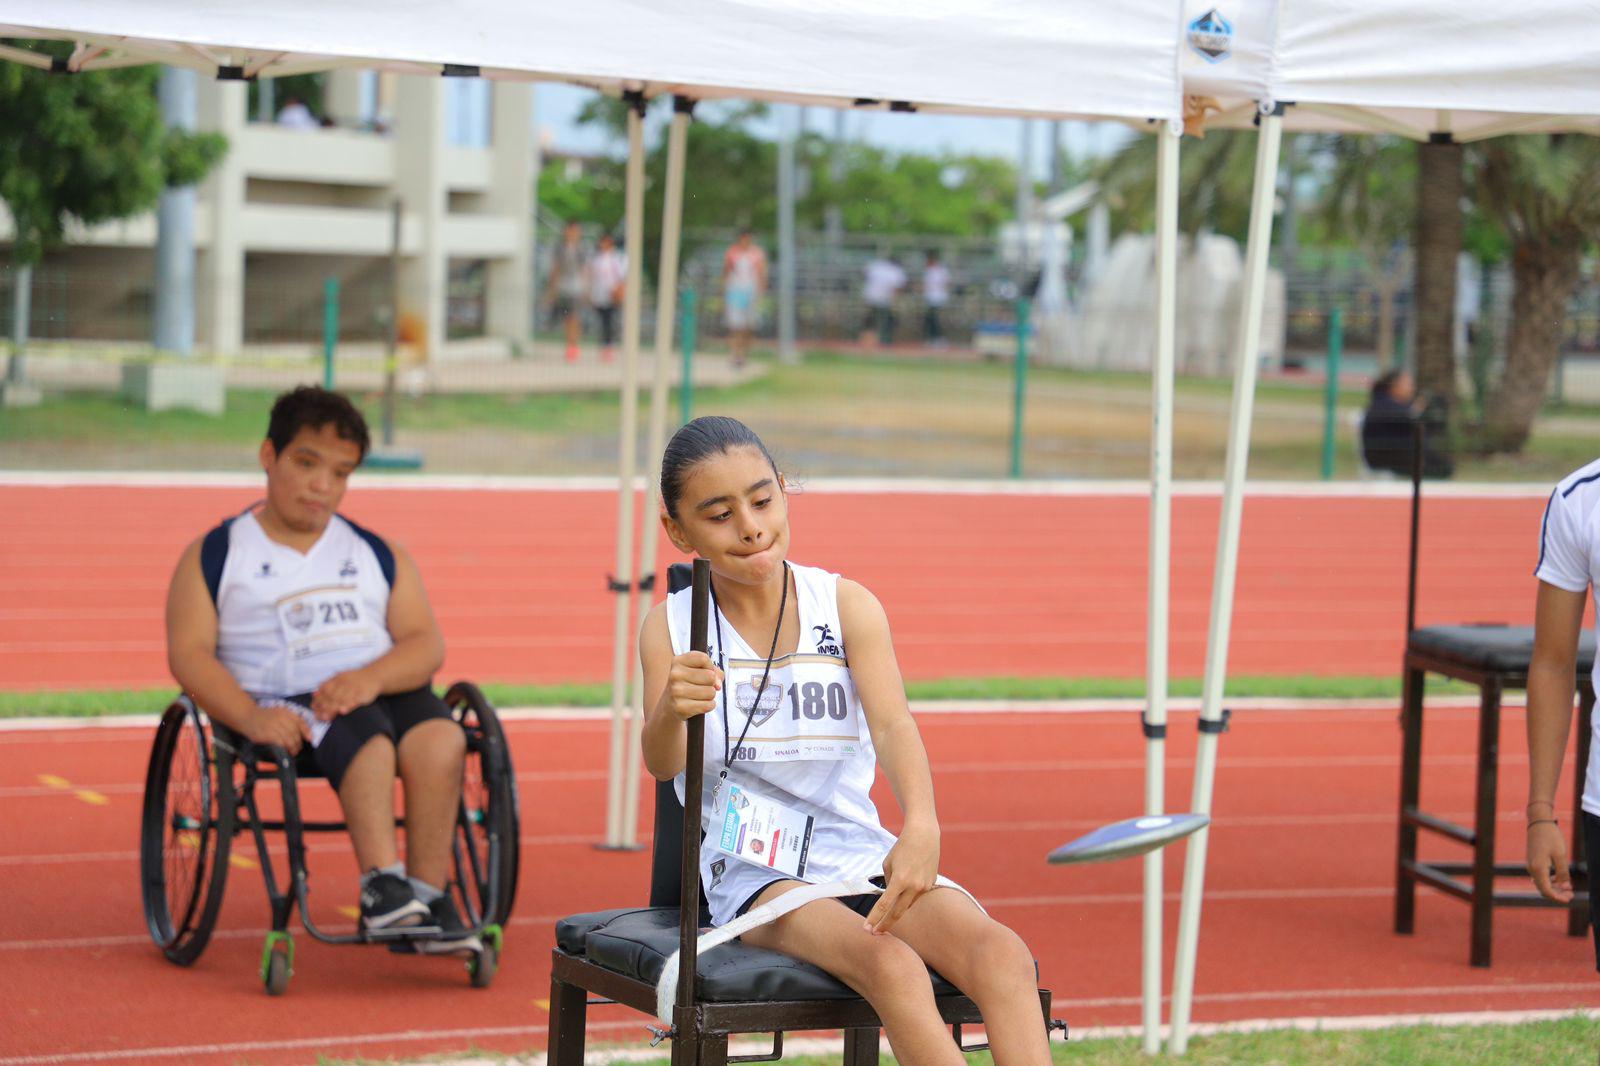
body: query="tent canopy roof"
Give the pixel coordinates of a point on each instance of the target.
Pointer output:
(1045, 58)
(1470, 68)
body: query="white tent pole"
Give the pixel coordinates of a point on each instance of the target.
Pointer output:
(1155, 719)
(1246, 361)
(623, 586)
(649, 529)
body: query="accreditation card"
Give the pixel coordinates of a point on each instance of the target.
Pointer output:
(764, 833)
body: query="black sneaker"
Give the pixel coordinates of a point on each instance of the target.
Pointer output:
(453, 936)
(387, 901)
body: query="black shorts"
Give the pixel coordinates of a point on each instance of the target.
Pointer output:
(391, 716)
(862, 904)
(1591, 852)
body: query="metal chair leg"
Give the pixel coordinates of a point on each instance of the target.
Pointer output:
(1405, 888)
(861, 1047)
(569, 1008)
(1484, 823)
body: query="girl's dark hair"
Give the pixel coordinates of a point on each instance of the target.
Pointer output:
(697, 441)
(310, 406)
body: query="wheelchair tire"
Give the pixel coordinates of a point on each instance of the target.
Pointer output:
(487, 832)
(185, 833)
(482, 966)
(278, 972)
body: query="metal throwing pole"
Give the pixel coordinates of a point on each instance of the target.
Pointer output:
(1212, 716)
(622, 583)
(649, 531)
(1160, 581)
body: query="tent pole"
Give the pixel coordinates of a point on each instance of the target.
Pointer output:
(649, 529)
(1155, 719)
(1246, 361)
(623, 586)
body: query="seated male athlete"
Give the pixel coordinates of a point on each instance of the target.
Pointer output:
(294, 626)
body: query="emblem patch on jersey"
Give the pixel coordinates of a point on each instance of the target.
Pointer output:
(827, 643)
(347, 568)
(718, 868)
(265, 571)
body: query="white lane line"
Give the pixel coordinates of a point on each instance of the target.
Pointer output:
(1409, 992)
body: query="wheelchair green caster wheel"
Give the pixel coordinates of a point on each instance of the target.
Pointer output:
(277, 963)
(482, 966)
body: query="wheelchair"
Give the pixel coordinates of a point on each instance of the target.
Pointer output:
(200, 793)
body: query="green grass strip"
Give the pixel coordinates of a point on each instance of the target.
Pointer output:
(98, 702)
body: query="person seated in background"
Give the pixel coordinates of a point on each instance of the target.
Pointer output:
(1386, 434)
(297, 628)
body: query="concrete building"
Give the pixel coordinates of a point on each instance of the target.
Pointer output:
(289, 207)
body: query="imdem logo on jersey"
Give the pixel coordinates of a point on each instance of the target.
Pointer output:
(1211, 35)
(300, 616)
(827, 643)
(347, 568)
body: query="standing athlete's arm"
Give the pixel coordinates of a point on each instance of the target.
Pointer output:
(192, 658)
(1552, 675)
(417, 654)
(913, 863)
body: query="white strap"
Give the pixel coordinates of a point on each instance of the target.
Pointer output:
(771, 911)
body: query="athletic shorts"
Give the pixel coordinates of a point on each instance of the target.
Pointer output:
(392, 716)
(862, 904)
(1591, 853)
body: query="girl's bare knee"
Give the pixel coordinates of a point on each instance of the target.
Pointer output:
(1000, 961)
(887, 966)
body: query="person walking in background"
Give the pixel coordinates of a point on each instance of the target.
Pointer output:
(884, 279)
(606, 275)
(935, 294)
(744, 280)
(565, 294)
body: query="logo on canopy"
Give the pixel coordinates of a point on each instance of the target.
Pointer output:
(1211, 35)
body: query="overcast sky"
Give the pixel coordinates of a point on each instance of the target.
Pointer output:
(558, 107)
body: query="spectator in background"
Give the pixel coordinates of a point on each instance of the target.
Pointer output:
(1386, 429)
(884, 279)
(295, 115)
(744, 279)
(606, 276)
(565, 293)
(935, 294)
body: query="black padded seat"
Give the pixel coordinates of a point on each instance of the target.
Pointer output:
(1492, 648)
(637, 942)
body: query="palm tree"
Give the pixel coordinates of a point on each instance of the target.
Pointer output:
(1545, 192)
(1439, 224)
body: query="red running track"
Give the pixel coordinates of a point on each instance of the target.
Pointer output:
(975, 585)
(1296, 922)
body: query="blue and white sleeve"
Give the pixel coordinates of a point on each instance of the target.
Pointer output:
(1563, 546)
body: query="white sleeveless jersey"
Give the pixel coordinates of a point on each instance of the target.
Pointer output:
(808, 746)
(287, 622)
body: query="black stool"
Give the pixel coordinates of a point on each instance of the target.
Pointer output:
(1494, 658)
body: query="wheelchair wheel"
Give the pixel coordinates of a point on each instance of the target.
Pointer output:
(185, 833)
(488, 827)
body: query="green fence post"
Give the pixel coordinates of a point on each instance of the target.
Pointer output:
(1330, 414)
(686, 327)
(330, 328)
(1020, 388)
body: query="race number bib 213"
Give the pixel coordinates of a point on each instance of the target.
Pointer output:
(324, 619)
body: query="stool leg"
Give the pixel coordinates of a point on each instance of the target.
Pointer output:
(1578, 912)
(569, 1008)
(1484, 824)
(713, 1050)
(1405, 888)
(861, 1047)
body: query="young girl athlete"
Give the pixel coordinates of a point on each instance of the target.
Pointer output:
(802, 698)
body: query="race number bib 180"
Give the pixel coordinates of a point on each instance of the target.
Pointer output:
(808, 709)
(323, 619)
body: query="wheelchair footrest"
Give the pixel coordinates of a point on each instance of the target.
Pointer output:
(402, 933)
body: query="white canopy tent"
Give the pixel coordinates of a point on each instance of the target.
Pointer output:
(1422, 69)
(1032, 58)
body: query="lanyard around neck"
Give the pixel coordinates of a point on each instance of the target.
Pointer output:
(750, 716)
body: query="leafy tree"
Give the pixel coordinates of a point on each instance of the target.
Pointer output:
(86, 147)
(1215, 176)
(1544, 193)
(1369, 202)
